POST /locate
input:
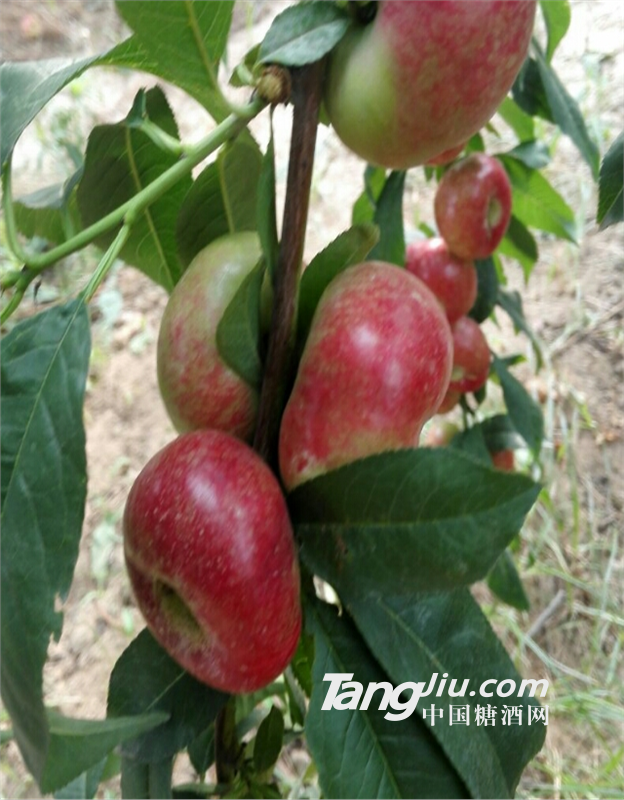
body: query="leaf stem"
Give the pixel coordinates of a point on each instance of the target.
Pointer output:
(279, 372)
(130, 210)
(106, 262)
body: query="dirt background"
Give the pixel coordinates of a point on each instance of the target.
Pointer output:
(575, 301)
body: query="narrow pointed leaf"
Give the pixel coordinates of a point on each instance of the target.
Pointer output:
(520, 244)
(45, 361)
(557, 16)
(518, 120)
(266, 210)
(505, 582)
(360, 753)
(523, 411)
(610, 185)
(415, 637)
(347, 249)
(487, 289)
(511, 303)
(50, 213)
(77, 744)
(389, 217)
(269, 740)
(411, 520)
(120, 161)
(238, 331)
(567, 115)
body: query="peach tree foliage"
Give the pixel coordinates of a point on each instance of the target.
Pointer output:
(400, 536)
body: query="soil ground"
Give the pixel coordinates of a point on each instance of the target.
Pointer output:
(572, 547)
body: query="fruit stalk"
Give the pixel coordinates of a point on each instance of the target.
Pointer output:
(279, 370)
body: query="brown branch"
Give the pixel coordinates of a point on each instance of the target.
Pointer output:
(279, 371)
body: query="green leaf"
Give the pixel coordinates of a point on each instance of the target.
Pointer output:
(269, 739)
(238, 331)
(472, 442)
(520, 122)
(184, 40)
(146, 679)
(610, 193)
(361, 753)
(524, 412)
(25, 88)
(520, 244)
(364, 207)
(50, 213)
(557, 16)
(529, 93)
(201, 751)
(566, 113)
(303, 34)
(266, 210)
(222, 200)
(487, 289)
(389, 217)
(347, 249)
(536, 204)
(410, 520)
(77, 744)
(504, 581)
(119, 162)
(499, 433)
(419, 636)
(45, 361)
(301, 663)
(511, 303)
(533, 153)
(84, 786)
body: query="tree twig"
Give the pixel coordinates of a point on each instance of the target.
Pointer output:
(278, 376)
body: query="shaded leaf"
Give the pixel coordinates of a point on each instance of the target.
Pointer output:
(222, 200)
(533, 153)
(529, 93)
(487, 290)
(410, 520)
(566, 113)
(77, 744)
(426, 635)
(45, 361)
(519, 243)
(146, 679)
(266, 211)
(610, 191)
(182, 41)
(505, 582)
(201, 751)
(499, 433)
(511, 303)
(360, 753)
(347, 249)
(238, 331)
(119, 162)
(268, 741)
(524, 412)
(303, 34)
(389, 218)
